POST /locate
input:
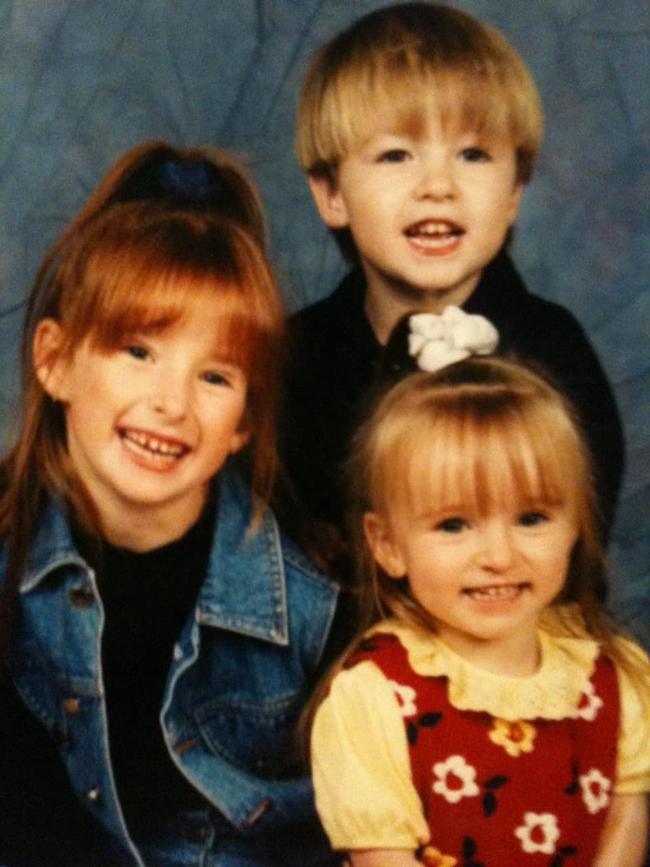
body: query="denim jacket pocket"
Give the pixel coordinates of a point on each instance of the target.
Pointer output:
(258, 737)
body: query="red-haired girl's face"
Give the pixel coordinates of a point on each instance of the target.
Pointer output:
(150, 422)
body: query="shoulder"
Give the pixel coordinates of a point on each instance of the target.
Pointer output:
(301, 569)
(503, 297)
(360, 693)
(633, 772)
(360, 762)
(330, 345)
(325, 319)
(542, 332)
(311, 596)
(379, 645)
(539, 314)
(262, 552)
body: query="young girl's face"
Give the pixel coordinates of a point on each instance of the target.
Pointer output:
(484, 575)
(150, 422)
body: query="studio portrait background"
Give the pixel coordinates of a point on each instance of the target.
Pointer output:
(83, 80)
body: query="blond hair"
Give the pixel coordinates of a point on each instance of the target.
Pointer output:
(491, 431)
(481, 434)
(397, 63)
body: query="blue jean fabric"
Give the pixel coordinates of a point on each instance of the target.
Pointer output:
(241, 670)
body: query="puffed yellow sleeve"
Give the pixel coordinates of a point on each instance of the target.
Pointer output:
(360, 765)
(633, 760)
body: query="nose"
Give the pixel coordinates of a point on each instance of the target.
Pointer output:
(496, 546)
(436, 180)
(170, 396)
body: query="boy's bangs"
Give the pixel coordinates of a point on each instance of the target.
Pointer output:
(482, 465)
(401, 100)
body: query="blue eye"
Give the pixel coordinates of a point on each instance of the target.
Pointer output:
(451, 525)
(137, 351)
(396, 155)
(475, 155)
(532, 519)
(212, 377)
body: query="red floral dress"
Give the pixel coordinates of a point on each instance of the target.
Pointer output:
(498, 793)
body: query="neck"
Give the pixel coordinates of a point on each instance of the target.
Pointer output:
(142, 528)
(512, 656)
(388, 301)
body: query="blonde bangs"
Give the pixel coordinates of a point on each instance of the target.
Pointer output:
(395, 77)
(486, 468)
(478, 448)
(394, 101)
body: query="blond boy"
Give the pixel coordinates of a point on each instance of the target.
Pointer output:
(418, 128)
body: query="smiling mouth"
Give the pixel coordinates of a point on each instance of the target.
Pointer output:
(496, 592)
(434, 233)
(159, 449)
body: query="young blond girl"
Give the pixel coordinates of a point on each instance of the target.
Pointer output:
(492, 716)
(160, 631)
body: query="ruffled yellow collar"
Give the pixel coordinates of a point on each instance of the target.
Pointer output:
(552, 692)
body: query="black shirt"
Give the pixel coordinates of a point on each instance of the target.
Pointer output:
(334, 358)
(147, 598)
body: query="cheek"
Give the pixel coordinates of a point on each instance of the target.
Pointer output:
(223, 423)
(557, 567)
(434, 574)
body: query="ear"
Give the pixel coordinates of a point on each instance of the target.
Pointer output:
(329, 201)
(515, 201)
(382, 545)
(243, 433)
(49, 365)
(239, 439)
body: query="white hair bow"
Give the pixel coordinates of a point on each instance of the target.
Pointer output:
(436, 341)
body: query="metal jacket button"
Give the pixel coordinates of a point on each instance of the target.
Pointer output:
(72, 706)
(81, 597)
(196, 833)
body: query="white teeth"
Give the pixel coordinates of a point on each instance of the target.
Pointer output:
(506, 591)
(433, 229)
(153, 445)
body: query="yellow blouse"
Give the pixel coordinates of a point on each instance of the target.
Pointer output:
(360, 760)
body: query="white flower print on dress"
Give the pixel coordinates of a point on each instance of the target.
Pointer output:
(539, 833)
(589, 703)
(595, 790)
(456, 779)
(406, 696)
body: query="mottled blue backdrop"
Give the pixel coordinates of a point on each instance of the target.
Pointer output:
(82, 80)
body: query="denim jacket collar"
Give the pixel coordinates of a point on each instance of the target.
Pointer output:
(228, 598)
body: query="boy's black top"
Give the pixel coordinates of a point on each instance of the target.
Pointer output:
(334, 358)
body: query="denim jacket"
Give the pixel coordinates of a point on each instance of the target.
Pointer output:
(240, 672)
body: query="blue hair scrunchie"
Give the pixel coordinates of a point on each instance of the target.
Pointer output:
(186, 183)
(192, 181)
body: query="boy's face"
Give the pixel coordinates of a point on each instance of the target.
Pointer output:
(427, 209)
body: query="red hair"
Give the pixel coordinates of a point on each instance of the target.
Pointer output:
(128, 264)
